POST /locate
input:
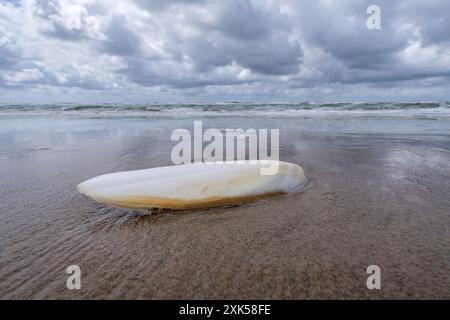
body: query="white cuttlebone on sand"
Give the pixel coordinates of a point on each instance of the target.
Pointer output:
(196, 185)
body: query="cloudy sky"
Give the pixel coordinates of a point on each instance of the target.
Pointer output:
(200, 51)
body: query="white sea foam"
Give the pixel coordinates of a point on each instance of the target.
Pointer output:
(307, 109)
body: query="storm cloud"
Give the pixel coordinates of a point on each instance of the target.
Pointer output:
(193, 50)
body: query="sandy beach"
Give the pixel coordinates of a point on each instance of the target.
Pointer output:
(378, 193)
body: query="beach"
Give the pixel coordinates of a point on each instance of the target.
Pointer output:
(378, 193)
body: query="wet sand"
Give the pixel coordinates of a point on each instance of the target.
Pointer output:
(378, 193)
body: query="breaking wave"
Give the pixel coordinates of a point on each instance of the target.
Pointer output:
(226, 109)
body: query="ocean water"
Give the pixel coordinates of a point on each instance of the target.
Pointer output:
(240, 109)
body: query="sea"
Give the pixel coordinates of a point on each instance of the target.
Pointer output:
(239, 109)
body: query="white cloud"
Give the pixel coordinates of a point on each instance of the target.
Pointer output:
(25, 75)
(272, 49)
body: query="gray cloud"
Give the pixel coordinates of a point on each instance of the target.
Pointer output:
(121, 40)
(283, 49)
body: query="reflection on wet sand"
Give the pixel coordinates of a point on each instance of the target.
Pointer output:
(378, 194)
